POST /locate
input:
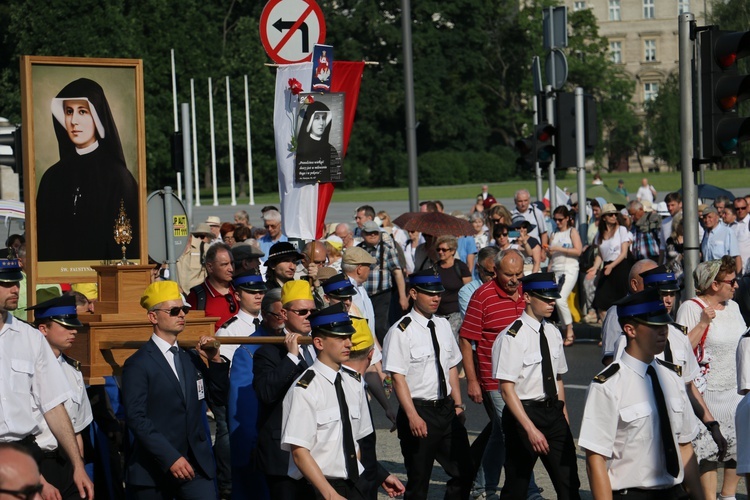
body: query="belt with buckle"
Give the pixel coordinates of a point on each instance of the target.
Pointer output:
(540, 403)
(431, 403)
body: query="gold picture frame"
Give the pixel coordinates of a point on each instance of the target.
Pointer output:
(72, 183)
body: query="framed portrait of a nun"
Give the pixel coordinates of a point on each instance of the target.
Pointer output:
(84, 165)
(320, 138)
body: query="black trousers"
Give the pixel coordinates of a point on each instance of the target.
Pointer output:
(199, 488)
(446, 441)
(673, 493)
(286, 488)
(57, 469)
(343, 487)
(560, 462)
(381, 304)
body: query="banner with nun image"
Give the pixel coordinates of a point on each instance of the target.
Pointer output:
(319, 138)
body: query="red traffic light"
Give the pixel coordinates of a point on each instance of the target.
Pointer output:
(731, 46)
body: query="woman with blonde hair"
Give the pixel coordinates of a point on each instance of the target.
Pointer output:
(498, 214)
(715, 327)
(454, 274)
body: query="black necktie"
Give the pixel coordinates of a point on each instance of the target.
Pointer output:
(178, 367)
(256, 323)
(350, 453)
(443, 389)
(667, 439)
(548, 376)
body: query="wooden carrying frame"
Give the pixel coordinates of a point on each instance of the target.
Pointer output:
(42, 78)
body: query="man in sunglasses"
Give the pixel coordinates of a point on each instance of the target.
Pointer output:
(164, 388)
(275, 367)
(718, 240)
(19, 475)
(742, 230)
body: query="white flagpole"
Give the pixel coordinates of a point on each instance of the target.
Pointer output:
(231, 146)
(176, 119)
(249, 149)
(213, 141)
(196, 179)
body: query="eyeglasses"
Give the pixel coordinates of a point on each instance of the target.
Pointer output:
(320, 262)
(175, 311)
(731, 282)
(488, 272)
(303, 312)
(275, 315)
(25, 493)
(232, 305)
(439, 249)
(270, 226)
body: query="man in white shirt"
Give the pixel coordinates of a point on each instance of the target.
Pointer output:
(532, 215)
(646, 191)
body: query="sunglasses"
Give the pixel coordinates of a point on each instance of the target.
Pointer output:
(443, 249)
(741, 208)
(488, 272)
(232, 305)
(275, 315)
(25, 493)
(303, 312)
(731, 282)
(559, 220)
(504, 235)
(175, 311)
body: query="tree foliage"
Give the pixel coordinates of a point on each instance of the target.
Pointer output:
(472, 78)
(663, 118)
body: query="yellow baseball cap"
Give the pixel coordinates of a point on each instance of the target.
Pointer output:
(362, 338)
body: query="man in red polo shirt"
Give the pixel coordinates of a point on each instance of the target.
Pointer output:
(216, 294)
(494, 305)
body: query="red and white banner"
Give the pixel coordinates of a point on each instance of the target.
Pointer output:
(304, 207)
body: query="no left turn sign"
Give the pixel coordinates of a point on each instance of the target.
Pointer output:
(290, 28)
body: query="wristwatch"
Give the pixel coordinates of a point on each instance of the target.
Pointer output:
(462, 406)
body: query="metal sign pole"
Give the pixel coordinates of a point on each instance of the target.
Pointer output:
(551, 120)
(691, 255)
(537, 168)
(583, 222)
(169, 227)
(186, 163)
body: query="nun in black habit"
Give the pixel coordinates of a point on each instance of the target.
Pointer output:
(317, 159)
(79, 196)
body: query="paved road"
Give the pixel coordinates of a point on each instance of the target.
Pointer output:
(583, 363)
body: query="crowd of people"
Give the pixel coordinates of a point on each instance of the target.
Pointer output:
(372, 309)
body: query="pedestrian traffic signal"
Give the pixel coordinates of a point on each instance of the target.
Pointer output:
(13, 140)
(722, 89)
(565, 119)
(526, 161)
(543, 143)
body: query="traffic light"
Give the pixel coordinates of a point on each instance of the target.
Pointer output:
(722, 89)
(526, 161)
(565, 142)
(12, 139)
(178, 158)
(565, 117)
(543, 147)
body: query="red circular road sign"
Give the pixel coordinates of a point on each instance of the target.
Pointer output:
(290, 28)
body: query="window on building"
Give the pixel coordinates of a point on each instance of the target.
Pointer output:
(648, 9)
(649, 50)
(615, 52)
(578, 6)
(650, 91)
(683, 6)
(614, 10)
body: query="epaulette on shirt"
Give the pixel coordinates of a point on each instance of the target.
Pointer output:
(607, 373)
(404, 323)
(352, 373)
(306, 378)
(515, 327)
(681, 328)
(228, 322)
(675, 368)
(747, 333)
(72, 362)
